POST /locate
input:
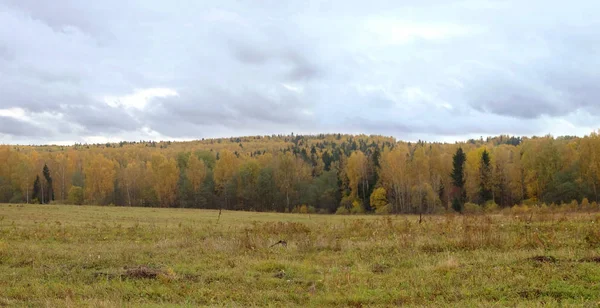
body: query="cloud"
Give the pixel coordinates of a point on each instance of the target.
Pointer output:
(215, 108)
(15, 127)
(432, 69)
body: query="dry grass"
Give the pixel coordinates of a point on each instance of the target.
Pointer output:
(112, 256)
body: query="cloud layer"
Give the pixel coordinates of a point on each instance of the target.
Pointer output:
(77, 71)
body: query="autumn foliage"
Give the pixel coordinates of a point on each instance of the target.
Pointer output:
(327, 173)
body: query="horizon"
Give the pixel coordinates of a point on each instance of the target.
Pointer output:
(484, 138)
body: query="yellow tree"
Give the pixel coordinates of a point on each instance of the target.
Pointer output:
(24, 175)
(196, 172)
(394, 176)
(62, 172)
(224, 171)
(131, 178)
(541, 159)
(164, 175)
(378, 199)
(289, 171)
(356, 171)
(472, 173)
(99, 178)
(590, 160)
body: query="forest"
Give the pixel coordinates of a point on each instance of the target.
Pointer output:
(326, 173)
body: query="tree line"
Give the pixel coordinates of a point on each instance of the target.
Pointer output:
(324, 173)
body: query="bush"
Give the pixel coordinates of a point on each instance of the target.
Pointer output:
(585, 204)
(75, 195)
(544, 208)
(342, 211)
(357, 207)
(304, 209)
(346, 202)
(16, 198)
(472, 208)
(378, 198)
(490, 207)
(457, 206)
(520, 209)
(386, 209)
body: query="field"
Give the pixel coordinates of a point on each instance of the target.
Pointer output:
(60, 256)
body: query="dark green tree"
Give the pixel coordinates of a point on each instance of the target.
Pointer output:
(458, 180)
(47, 190)
(37, 189)
(485, 178)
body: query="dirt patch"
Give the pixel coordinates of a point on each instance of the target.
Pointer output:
(591, 259)
(378, 268)
(543, 259)
(280, 274)
(141, 272)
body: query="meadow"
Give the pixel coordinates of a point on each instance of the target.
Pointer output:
(73, 256)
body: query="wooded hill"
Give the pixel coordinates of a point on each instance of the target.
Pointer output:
(321, 173)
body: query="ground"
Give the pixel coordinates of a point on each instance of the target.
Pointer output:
(59, 255)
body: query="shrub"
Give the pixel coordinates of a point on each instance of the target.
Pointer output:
(585, 204)
(386, 209)
(357, 207)
(457, 206)
(16, 198)
(472, 208)
(490, 207)
(342, 211)
(378, 198)
(530, 201)
(304, 209)
(75, 195)
(520, 209)
(346, 202)
(573, 206)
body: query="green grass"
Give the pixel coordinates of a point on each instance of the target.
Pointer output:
(58, 255)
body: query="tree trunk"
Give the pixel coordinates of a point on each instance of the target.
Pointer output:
(128, 195)
(287, 198)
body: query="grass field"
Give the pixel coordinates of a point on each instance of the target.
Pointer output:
(57, 256)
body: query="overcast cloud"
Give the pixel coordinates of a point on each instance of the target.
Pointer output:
(439, 70)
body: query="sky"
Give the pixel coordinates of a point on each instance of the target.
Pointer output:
(435, 70)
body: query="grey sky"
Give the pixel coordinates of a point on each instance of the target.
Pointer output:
(443, 70)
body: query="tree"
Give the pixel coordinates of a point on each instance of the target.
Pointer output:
(485, 178)
(458, 180)
(99, 179)
(224, 172)
(378, 198)
(247, 185)
(47, 189)
(37, 190)
(24, 175)
(394, 176)
(164, 177)
(196, 174)
(290, 171)
(356, 171)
